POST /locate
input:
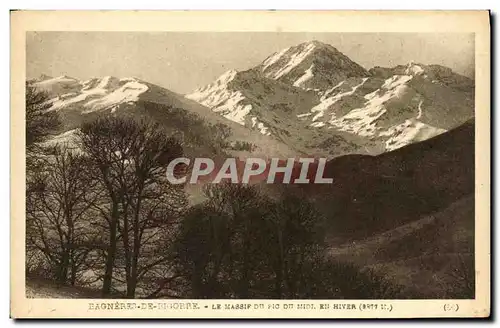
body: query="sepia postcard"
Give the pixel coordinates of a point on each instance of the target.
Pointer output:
(250, 164)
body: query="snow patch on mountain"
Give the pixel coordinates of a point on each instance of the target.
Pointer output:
(93, 94)
(419, 116)
(230, 106)
(414, 69)
(396, 81)
(328, 102)
(362, 121)
(216, 93)
(308, 74)
(57, 80)
(304, 115)
(59, 85)
(330, 91)
(127, 93)
(295, 60)
(318, 124)
(260, 126)
(222, 100)
(274, 58)
(409, 132)
(227, 77)
(394, 88)
(249, 98)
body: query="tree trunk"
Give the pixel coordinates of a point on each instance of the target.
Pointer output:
(196, 283)
(73, 269)
(136, 249)
(128, 255)
(245, 276)
(62, 275)
(280, 267)
(110, 259)
(278, 282)
(131, 286)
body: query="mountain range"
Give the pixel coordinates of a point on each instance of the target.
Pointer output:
(400, 143)
(307, 99)
(316, 99)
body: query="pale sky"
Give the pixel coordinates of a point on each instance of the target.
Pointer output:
(183, 62)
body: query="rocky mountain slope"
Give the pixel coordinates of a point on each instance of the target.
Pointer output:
(252, 100)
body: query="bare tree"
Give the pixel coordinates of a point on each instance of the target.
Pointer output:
(222, 243)
(130, 159)
(297, 238)
(56, 208)
(203, 251)
(40, 120)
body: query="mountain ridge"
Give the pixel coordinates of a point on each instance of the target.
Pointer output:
(367, 112)
(371, 111)
(82, 101)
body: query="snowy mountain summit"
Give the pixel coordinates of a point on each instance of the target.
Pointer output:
(310, 65)
(92, 95)
(313, 86)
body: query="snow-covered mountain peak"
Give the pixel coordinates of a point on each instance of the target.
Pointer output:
(58, 79)
(227, 76)
(219, 84)
(310, 65)
(93, 94)
(222, 99)
(315, 91)
(317, 43)
(414, 69)
(42, 77)
(65, 77)
(105, 83)
(293, 57)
